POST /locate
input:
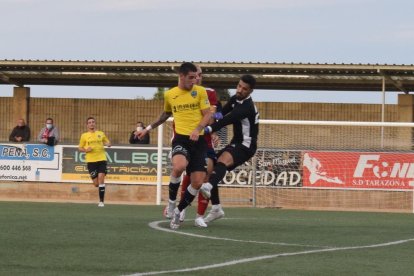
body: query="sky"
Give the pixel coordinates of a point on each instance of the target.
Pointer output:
(298, 31)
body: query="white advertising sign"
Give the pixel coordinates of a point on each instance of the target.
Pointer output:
(30, 162)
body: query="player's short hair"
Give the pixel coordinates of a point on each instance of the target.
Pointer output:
(49, 119)
(250, 80)
(90, 118)
(186, 68)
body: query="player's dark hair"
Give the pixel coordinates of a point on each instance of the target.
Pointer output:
(90, 118)
(49, 119)
(250, 80)
(186, 68)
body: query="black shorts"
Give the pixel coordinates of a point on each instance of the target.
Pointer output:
(211, 154)
(194, 151)
(96, 168)
(240, 154)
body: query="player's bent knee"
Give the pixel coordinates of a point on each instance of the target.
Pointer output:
(196, 185)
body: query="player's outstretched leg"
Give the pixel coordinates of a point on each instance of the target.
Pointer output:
(216, 176)
(201, 210)
(168, 210)
(184, 186)
(172, 192)
(215, 213)
(189, 196)
(175, 220)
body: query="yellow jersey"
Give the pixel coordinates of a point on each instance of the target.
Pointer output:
(96, 141)
(186, 106)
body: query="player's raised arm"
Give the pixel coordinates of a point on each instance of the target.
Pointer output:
(163, 117)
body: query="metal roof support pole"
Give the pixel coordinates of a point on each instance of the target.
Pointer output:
(383, 111)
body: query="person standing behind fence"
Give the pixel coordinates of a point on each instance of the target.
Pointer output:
(134, 139)
(20, 133)
(49, 134)
(92, 144)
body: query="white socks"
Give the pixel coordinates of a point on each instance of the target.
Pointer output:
(191, 190)
(216, 207)
(208, 185)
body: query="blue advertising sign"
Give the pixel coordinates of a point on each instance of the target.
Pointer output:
(38, 152)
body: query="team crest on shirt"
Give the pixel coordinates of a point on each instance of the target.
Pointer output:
(194, 93)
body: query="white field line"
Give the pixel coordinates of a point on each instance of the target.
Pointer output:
(156, 226)
(264, 257)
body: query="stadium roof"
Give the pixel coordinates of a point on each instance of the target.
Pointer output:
(276, 76)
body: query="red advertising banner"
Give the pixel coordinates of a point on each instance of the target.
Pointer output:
(369, 170)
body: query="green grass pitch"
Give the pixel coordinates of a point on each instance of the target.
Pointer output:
(82, 239)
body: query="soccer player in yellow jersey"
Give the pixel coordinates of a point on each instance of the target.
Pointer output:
(188, 104)
(92, 143)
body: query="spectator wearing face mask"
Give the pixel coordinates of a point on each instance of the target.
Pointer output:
(133, 139)
(21, 133)
(49, 135)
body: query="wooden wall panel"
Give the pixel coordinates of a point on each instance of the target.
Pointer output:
(117, 118)
(7, 122)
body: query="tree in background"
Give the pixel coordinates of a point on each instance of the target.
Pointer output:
(159, 94)
(223, 94)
